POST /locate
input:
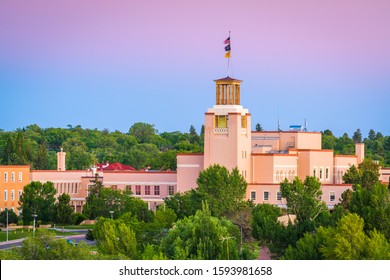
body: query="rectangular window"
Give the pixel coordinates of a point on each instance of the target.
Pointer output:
(12, 195)
(253, 195)
(266, 196)
(5, 176)
(171, 190)
(332, 196)
(5, 195)
(72, 188)
(314, 172)
(13, 177)
(75, 187)
(321, 171)
(20, 177)
(243, 121)
(327, 173)
(147, 190)
(19, 194)
(156, 190)
(137, 190)
(221, 121)
(279, 196)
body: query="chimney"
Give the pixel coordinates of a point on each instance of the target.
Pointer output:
(359, 152)
(61, 161)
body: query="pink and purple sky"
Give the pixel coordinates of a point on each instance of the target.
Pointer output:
(109, 64)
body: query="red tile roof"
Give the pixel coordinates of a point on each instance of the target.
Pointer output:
(114, 166)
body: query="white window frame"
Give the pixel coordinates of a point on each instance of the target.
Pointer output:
(5, 195)
(20, 177)
(19, 193)
(156, 190)
(277, 198)
(171, 190)
(253, 195)
(5, 177)
(321, 174)
(315, 171)
(13, 177)
(12, 195)
(327, 173)
(330, 196)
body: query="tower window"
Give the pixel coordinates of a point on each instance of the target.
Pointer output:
(221, 121)
(243, 121)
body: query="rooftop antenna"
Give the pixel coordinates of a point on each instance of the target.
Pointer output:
(305, 126)
(278, 121)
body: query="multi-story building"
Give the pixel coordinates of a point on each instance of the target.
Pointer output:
(264, 159)
(13, 178)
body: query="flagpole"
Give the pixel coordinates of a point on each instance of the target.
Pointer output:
(228, 68)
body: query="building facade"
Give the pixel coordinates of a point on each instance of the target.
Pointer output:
(13, 178)
(264, 159)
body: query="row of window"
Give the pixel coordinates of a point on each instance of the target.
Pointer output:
(67, 187)
(13, 178)
(280, 175)
(12, 195)
(266, 196)
(221, 121)
(156, 190)
(321, 174)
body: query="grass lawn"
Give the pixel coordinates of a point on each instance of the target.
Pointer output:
(19, 233)
(76, 227)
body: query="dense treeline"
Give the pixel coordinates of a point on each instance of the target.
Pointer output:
(377, 146)
(196, 225)
(142, 146)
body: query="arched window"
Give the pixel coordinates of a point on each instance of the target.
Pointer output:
(277, 176)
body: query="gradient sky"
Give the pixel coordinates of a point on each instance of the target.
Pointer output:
(109, 64)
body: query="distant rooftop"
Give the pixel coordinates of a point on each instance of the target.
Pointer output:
(116, 166)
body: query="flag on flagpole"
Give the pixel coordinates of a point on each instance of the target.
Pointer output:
(227, 47)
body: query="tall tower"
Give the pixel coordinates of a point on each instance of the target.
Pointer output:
(228, 129)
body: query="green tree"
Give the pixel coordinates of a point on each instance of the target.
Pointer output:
(258, 127)
(202, 237)
(12, 217)
(346, 241)
(373, 205)
(357, 136)
(265, 222)
(217, 184)
(41, 161)
(101, 201)
(366, 175)
(185, 204)
(62, 210)
(20, 149)
(45, 246)
(9, 154)
(114, 237)
(328, 140)
(371, 135)
(303, 198)
(143, 132)
(38, 198)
